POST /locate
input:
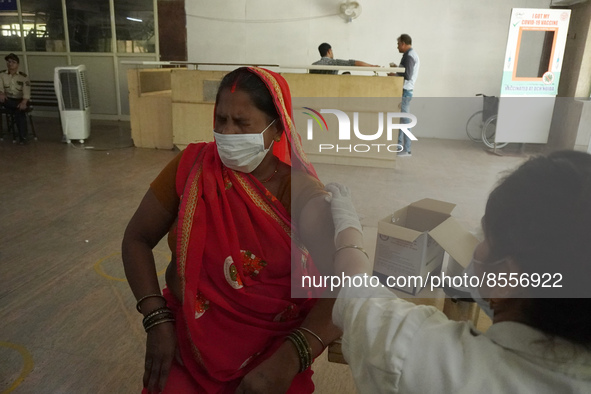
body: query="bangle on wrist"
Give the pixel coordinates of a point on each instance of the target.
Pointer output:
(351, 246)
(314, 335)
(303, 348)
(137, 305)
(155, 314)
(159, 322)
(158, 316)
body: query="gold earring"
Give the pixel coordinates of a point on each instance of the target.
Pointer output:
(277, 138)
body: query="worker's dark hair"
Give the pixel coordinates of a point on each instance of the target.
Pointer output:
(324, 48)
(540, 217)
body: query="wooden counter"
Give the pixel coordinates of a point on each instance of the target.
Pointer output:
(150, 106)
(174, 107)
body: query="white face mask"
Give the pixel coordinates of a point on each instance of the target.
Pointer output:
(475, 291)
(242, 152)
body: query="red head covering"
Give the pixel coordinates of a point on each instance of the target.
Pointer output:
(288, 149)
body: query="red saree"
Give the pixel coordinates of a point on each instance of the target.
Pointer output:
(234, 260)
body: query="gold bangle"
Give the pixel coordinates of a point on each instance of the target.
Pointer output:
(301, 352)
(314, 335)
(352, 247)
(308, 350)
(137, 305)
(303, 348)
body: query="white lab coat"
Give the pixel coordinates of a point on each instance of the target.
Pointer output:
(394, 346)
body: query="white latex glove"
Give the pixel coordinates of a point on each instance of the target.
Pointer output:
(341, 206)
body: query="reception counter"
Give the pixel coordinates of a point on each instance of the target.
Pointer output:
(150, 104)
(174, 107)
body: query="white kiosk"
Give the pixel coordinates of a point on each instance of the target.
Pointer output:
(533, 60)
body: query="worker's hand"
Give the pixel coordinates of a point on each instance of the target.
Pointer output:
(341, 206)
(161, 349)
(2, 97)
(22, 105)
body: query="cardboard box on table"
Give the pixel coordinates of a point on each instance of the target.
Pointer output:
(405, 246)
(459, 244)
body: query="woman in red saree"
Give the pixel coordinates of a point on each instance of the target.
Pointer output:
(237, 211)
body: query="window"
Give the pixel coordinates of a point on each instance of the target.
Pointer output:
(134, 24)
(43, 25)
(89, 25)
(10, 32)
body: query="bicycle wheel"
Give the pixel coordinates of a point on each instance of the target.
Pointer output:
(474, 127)
(488, 133)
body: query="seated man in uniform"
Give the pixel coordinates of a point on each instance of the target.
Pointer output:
(327, 59)
(15, 93)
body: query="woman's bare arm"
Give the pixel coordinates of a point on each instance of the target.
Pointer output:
(317, 233)
(146, 228)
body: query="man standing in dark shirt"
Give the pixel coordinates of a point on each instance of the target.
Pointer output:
(410, 62)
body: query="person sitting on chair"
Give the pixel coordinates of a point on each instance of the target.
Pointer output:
(327, 59)
(15, 93)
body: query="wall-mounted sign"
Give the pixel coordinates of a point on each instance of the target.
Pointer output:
(535, 48)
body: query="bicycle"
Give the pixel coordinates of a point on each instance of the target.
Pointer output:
(482, 125)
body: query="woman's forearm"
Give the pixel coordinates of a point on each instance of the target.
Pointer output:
(140, 271)
(145, 229)
(319, 321)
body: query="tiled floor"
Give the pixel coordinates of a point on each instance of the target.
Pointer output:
(68, 320)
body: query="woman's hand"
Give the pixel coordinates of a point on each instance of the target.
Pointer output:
(161, 348)
(274, 375)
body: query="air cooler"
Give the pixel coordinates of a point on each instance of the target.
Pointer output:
(74, 106)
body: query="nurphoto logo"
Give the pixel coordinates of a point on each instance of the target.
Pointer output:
(384, 133)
